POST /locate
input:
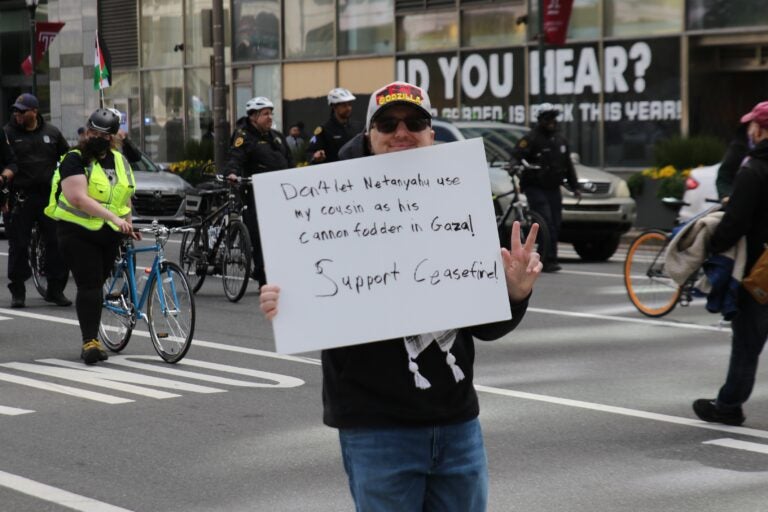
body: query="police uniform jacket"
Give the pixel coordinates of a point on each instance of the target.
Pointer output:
(7, 158)
(330, 137)
(37, 153)
(253, 152)
(551, 153)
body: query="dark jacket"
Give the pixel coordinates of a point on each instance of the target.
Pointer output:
(7, 157)
(37, 153)
(372, 385)
(732, 159)
(330, 137)
(550, 152)
(253, 152)
(746, 214)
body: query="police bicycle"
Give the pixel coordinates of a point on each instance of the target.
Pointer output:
(162, 298)
(218, 243)
(512, 206)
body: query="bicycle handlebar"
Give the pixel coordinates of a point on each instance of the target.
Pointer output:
(238, 179)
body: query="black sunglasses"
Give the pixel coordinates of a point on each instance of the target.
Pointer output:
(390, 124)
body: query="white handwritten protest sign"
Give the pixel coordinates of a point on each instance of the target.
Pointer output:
(381, 247)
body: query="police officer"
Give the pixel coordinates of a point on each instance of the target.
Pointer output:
(256, 148)
(327, 140)
(38, 146)
(544, 147)
(7, 170)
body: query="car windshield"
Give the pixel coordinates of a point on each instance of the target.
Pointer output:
(499, 140)
(144, 164)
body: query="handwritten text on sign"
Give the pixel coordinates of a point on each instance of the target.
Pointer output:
(381, 247)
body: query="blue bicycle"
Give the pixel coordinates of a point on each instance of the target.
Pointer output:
(165, 301)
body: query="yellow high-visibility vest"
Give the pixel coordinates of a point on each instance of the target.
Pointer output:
(113, 197)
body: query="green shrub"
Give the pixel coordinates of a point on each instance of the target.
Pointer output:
(688, 152)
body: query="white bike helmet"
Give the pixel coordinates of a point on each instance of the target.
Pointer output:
(258, 103)
(340, 95)
(547, 110)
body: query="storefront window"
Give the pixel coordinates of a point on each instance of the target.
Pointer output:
(266, 82)
(123, 95)
(309, 28)
(256, 29)
(198, 13)
(645, 18)
(162, 116)
(162, 36)
(427, 31)
(366, 26)
(704, 14)
(199, 105)
(585, 20)
(494, 26)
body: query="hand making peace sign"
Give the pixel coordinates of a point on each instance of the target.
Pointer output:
(522, 264)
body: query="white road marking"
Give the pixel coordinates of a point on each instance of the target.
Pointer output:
(55, 495)
(624, 411)
(648, 321)
(739, 445)
(13, 411)
(588, 273)
(65, 390)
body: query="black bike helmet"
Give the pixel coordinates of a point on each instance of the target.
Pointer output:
(104, 121)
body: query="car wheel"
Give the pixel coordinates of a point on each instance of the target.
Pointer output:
(597, 250)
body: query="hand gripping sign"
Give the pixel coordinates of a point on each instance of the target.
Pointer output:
(381, 247)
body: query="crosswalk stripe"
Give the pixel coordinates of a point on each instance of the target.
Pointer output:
(739, 445)
(55, 495)
(65, 390)
(13, 411)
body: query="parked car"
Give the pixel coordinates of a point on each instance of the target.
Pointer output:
(160, 195)
(594, 224)
(700, 192)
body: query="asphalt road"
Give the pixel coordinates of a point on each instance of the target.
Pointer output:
(585, 407)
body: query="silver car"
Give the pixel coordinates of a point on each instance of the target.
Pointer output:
(594, 224)
(160, 195)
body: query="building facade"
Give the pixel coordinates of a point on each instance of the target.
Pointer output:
(631, 73)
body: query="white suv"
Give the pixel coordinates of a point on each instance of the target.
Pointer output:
(593, 225)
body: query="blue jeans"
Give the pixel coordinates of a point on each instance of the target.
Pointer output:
(441, 468)
(750, 330)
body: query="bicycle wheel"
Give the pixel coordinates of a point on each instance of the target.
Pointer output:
(117, 315)
(194, 257)
(649, 287)
(36, 258)
(170, 313)
(236, 265)
(542, 238)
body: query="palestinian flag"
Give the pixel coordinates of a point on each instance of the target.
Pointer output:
(100, 66)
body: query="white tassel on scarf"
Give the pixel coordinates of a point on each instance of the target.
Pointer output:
(415, 345)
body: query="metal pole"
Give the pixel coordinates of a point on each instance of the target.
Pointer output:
(33, 46)
(541, 51)
(221, 126)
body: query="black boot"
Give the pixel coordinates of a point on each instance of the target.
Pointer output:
(56, 295)
(18, 295)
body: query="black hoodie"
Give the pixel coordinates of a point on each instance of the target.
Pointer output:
(375, 384)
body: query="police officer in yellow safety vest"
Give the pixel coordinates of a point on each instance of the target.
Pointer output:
(91, 198)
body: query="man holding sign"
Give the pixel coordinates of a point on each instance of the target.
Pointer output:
(406, 408)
